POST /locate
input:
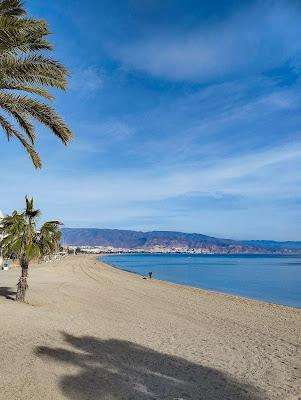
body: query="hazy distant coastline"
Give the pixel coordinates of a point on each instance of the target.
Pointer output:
(126, 241)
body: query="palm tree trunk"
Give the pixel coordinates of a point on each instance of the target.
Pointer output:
(22, 284)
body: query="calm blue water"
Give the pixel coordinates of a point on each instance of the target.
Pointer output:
(276, 279)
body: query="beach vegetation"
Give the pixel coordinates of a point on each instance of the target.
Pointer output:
(27, 74)
(23, 240)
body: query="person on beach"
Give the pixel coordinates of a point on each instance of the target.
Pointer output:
(150, 275)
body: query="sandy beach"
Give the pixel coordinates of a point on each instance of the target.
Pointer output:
(90, 331)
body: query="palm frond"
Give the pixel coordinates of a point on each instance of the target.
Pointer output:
(25, 69)
(12, 132)
(23, 35)
(25, 125)
(23, 239)
(12, 8)
(37, 110)
(52, 223)
(30, 211)
(33, 250)
(7, 127)
(30, 150)
(26, 88)
(35, 69)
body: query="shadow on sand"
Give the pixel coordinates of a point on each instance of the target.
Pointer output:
(7, 293)
(119, 370)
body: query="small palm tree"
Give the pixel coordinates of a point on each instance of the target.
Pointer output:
(26, 73)
(25, 242)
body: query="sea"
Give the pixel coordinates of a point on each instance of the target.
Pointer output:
(271, 278)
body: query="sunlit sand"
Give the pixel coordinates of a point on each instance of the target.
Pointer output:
(90, 331)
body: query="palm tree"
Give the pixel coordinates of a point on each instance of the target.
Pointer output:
(25, 242)
(26, 74)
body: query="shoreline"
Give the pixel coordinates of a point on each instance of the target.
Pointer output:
(234, 296)
(204, 254)
(92, 331)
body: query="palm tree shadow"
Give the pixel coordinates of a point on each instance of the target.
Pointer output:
(121, 370)
(7, 293)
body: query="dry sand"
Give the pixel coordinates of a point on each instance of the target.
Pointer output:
(93, 332)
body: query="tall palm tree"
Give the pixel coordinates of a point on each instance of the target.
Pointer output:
(26, 74)
(24, 241)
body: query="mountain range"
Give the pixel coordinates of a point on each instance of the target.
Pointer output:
(135, 239)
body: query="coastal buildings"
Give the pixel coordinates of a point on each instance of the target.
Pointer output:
(150, 250)
(158, 249)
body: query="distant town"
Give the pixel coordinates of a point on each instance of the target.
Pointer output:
(171, 250)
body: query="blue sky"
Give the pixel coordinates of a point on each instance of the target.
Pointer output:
(186, 115)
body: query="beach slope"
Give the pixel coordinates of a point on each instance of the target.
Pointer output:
(90, 331)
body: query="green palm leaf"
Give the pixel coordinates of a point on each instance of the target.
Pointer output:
(26, 70)
(23, 240)
(11, 132)
(16, 104)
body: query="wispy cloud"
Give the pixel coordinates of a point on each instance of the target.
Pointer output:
(248, 189)
(99, 137)
(248, 175)
(211, 194)
(246, 42)
(86, 80)
(218, 121)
